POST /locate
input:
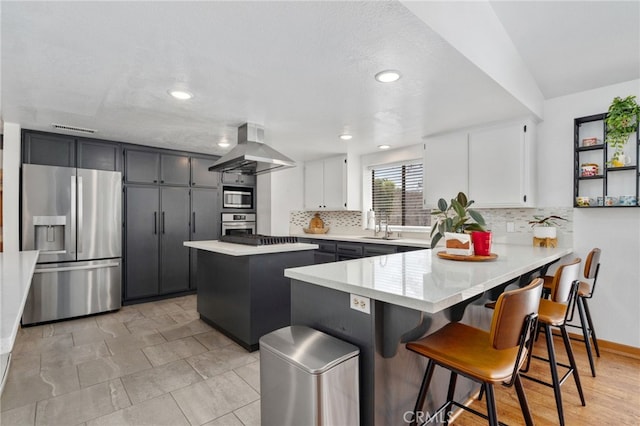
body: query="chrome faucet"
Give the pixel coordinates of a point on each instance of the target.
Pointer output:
(387, 233)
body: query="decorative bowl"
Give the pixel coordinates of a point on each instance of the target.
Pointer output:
(584, 201)
(588, 169)
(610, 201)
(315, 230)
(627, 200)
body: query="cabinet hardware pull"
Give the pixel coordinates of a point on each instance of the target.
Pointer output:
(194, 222)
(163, 222)
(155, 222)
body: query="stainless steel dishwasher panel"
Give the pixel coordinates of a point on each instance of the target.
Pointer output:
(72, 289)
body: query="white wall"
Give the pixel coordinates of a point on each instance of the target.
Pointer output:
(278, 194)
(616, 304)
(11, 187)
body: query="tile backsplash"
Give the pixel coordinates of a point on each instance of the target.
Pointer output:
(351, 222)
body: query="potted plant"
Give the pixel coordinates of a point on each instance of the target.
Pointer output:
(621, 121)
(544, 230)
(454, 222)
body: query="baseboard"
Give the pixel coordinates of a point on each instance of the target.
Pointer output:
(611, 347)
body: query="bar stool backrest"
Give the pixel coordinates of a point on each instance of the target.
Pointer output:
(591, 265)
(511, 310)
(563, 281)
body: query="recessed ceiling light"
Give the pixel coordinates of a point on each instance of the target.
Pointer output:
(388, 76)
(384, 146)
(223, 144)
(346, 137)
(181, 94)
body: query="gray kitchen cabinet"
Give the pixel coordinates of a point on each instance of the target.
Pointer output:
(238, 179)
(152, 167)
(174, 169)
(97, 155)
(346, 251)
(174, 231)
(200, 174)
(48, 149)
(378, 250)
(205, 223)
(141, 166)
(141, 242)
(157, 224)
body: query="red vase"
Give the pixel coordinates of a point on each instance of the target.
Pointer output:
(481, 242)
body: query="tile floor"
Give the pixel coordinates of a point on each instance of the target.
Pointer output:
(154, 363)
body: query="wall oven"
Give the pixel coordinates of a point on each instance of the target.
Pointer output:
(237, 197)
(238, 223)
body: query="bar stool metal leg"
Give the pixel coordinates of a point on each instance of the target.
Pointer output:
(524, 404)
(450, 393)
(491, 405)
(554, 372)
(592, 330)
(585, 335)
(424, 387)
(572, 362)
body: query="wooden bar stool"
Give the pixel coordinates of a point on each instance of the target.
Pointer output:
(585, 291)
(485, 357)
(554, 313)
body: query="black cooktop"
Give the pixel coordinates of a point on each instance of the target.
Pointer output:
(257, 239)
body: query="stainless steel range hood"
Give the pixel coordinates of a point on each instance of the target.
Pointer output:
(252, 156)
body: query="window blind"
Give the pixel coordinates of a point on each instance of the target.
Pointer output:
(396, 192)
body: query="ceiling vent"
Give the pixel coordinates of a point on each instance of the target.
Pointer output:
(73, 128)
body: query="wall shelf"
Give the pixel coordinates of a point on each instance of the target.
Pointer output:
(612, 184)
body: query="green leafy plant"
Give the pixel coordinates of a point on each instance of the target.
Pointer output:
(621, 121)
(455, 217)
(545, 221)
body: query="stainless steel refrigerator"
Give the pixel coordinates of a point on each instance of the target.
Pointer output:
(74, 218)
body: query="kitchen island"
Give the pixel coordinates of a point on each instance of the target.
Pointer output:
(242, 290)
(408, 295)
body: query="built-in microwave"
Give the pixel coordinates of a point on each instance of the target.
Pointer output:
(237, 197)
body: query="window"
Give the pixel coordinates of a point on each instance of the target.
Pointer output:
(396, 191)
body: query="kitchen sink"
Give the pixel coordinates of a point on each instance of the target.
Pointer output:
(381, 238)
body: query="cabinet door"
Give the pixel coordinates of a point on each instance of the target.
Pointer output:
(141, 166)
(238, 179)
(205, 222)
(200, 174)
(335, 183)
(174, 169)
(445, 165)
(99, 155)
(141, 241)
(174, 230)
(314, 185)
(497, 166)
(49, 149)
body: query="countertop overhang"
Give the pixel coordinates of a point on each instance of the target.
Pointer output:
(395, 241)
(421, 280)
(232, 249)
(17, 271)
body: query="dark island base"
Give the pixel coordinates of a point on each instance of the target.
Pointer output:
(246, 297)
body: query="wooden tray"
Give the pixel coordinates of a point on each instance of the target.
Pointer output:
(472, 258)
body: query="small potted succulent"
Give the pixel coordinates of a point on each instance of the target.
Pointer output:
(621, 121)
(545, 227)
(454, 222)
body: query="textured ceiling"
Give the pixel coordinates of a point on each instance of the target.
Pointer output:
(302, 69)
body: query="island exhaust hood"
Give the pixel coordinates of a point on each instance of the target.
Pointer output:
(251, 156)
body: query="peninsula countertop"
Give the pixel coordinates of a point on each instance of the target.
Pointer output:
(17, 270)
(232, 249)
(394, 241)
(423, 281)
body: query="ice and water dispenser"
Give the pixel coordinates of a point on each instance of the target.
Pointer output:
(49, 233)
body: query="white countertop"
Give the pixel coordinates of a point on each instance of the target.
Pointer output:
(412, 242)
(244, 250)
(17, 270)
(421, 280)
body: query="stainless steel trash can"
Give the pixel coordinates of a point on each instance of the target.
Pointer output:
(308, 378)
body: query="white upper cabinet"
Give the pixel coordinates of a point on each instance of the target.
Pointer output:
(326, 185)
(493, 165)
(445, 168)
(501, 165)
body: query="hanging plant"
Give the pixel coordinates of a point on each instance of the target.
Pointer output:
(621, 121)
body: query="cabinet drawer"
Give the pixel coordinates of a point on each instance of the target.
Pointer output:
(378, 250)
(349, 249)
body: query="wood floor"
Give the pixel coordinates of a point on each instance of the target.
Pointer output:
(613, 397)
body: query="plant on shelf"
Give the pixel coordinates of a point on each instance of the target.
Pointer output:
(621, 121)
(544, 230)
(457, 218)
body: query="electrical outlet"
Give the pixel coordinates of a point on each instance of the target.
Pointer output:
(360, 303)
(511, 227)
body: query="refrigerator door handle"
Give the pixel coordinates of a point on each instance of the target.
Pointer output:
(155, 223)
(80, 215)
(163, 222)
(72, 226)
(76, 268)
(194, 222)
